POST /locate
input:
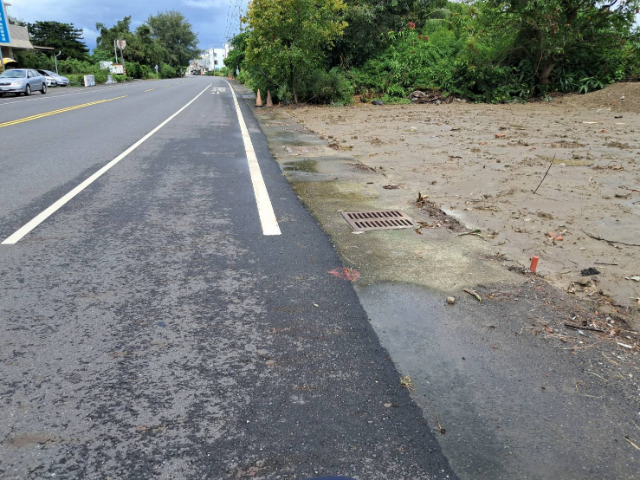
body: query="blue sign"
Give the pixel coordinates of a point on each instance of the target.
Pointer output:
(4, 25)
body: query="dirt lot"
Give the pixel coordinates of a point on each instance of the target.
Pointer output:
(481, 164)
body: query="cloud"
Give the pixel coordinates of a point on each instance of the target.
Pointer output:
(90, 36)
(205, 4)
(207, 16)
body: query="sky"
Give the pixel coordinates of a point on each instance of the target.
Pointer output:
(208, 17)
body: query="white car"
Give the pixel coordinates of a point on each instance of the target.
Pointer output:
(58, 79)
(49, 80)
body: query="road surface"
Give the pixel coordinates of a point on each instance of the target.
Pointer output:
(166, 307)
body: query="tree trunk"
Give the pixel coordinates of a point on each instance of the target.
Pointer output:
(293, 86)
(546, 73)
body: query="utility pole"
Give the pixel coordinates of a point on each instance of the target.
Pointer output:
(121, 45)
(55, 59)
(115, 51)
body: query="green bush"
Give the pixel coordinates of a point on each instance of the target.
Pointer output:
(75, 79)
(132, 69)
(136, 70)
(329, 87)
(167, 71)
(457, 57)
(243, 77)
(34, 59)
(439, 58)
(101, 76)
(76, 69)
(145, 71)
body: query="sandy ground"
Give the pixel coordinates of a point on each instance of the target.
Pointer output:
(481, 164)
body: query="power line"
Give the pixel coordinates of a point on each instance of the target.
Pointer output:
(234, 14)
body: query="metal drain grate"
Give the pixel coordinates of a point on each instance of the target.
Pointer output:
(378, 220)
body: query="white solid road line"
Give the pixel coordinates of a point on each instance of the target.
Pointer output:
(42, 216)
(265, 209)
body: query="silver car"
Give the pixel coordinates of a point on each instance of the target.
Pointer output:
(49, 79)
(22, 81)
(59, 79)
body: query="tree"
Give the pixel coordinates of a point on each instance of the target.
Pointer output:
(549, 32)
(289, 38)
(120, 31)
(142, 46)
(370, 21)
(152, 50)
(61, 36)
(175, 34)
(236, 57)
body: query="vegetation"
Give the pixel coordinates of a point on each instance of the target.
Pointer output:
(173, 31)
(166, 40)
(482, 50)
(64, 37)
(289, 40)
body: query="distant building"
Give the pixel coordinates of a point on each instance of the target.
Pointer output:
(213, 58)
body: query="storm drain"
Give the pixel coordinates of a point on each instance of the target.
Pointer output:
(378, 220)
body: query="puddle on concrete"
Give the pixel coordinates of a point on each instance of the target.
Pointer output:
(292, 139)
(306, 165)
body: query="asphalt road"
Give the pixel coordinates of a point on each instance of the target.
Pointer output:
(150, 328)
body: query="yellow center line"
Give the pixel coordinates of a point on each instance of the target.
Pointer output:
(167, 86)
(55, 112)
(148, 90)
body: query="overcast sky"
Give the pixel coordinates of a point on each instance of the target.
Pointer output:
(208, 17)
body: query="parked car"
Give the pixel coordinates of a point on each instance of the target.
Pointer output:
(51, 82)
(22, 81)
(59, 79)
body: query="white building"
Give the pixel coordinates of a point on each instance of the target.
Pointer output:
(213, 58)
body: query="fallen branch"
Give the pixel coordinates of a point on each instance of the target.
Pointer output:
(545, 175)
(421, 200)
(474, 293)
(633, 444)
(610, 242)
(471, 232)
(579, 327)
